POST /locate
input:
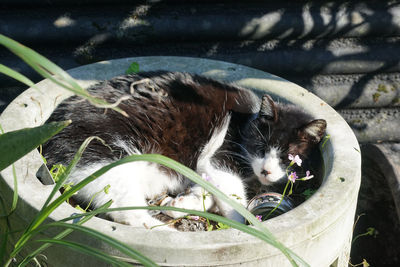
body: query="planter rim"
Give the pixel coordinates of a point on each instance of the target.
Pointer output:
(341, 158)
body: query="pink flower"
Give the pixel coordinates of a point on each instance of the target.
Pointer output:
(193, 217)
(259, 217)
(308, 176)
(295, 159)
(292, 177)
(205, 177)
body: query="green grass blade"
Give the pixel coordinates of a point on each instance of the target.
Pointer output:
(187, 172)
(71, 166)
(292, 257)
(16, 75)
(82, 220)
(4, 232)
(15, 197)
(41, 64)
(107, 239)
(49, 70)
(87, 251)
(14, 145)
(3, 246)
(40, 216)
(211, 216)
(234, 224)
(133, 68)
(15, 193)
(190, 174)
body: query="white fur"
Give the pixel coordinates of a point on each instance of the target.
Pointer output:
(196, 199)
(313, 130)
(226, 181)
(130, 185)
(271, 166)
(247, 98)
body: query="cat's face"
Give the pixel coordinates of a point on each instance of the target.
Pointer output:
(279, 130)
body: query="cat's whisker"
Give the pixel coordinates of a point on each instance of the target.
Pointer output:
(236, 155)
(240, 145)
(262, 136)
(269, 133)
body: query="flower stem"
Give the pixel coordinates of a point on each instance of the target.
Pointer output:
(280, 201)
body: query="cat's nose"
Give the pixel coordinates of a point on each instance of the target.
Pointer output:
(265, 172)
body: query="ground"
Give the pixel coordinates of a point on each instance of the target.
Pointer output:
(377, 211)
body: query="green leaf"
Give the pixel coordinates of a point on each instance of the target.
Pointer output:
(87, 251)
(15, 193)
(63, 176)
(45, 211)
(16, 75)
(308, 193)
(51, 71)
(4, 231)
(190, 174)
(263, 232)
(326, 138)
(107, 239)
(133, 68)
(61, 235)
(222, 226)
(14, 145)
(225, 221)
(56, 171)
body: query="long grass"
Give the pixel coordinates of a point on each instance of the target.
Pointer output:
(49, 70)
(14, 149)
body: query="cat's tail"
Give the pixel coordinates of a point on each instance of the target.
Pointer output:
(215, 142)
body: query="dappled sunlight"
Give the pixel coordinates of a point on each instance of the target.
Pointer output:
(64, 21)
(260, 27)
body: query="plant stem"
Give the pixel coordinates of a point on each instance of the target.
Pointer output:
(280, 201)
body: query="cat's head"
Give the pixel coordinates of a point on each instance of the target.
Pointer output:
(277, 131)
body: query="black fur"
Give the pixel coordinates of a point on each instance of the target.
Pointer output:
(175, 114)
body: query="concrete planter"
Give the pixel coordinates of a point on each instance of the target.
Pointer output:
(319, 230)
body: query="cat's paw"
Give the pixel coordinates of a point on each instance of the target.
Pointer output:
(235, 216)
(140, 219)
(189, 201)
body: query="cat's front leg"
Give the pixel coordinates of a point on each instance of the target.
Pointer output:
(199, 199)
(137, 218)
(196, 199)
(232, 186)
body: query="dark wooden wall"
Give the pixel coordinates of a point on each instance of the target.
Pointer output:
(346, 52)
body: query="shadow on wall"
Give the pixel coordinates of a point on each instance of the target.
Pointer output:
(292, 40)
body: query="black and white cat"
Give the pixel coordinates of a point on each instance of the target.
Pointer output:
(223, 132)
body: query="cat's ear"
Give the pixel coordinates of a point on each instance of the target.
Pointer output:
(268, 108)
(313, 131)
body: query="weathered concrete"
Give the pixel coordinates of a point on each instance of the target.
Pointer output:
(371, 125)
(319, 230)
(355, 90)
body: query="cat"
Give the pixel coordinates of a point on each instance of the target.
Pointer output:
(222, 131)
